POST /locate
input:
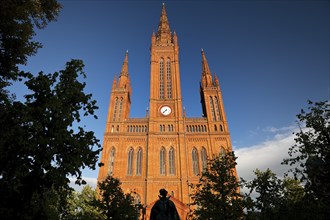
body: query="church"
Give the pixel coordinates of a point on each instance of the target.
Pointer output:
(165, 149)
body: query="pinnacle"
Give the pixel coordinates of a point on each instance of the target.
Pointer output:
(205, 65)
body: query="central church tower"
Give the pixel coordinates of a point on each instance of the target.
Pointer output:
(165, 149)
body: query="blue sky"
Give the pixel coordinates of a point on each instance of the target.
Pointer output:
(270, 58)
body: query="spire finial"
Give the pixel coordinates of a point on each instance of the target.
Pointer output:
(164, 32)
(124, 68)
(205, 65)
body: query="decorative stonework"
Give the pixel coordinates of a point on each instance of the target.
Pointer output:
(163, 149)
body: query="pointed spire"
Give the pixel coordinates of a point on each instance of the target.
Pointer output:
(164, 32)
(206, 73)
(124, 68)
(114, 82)
(124, 81)
(205, 65)
(216, 80)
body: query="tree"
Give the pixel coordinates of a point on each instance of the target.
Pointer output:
(42, 140)
(113, 203)
(269, 191)
(310, 156)
(81, 205)
(311, 153)
(18, 19)
(217, 193)
(39, 146)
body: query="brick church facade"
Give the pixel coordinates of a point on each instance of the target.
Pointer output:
(165, 149)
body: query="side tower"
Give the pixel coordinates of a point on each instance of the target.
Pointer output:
(211, 99)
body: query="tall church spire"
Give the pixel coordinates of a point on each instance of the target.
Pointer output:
(124, 77)
(164, 32)
(205, 65)
(206, 73)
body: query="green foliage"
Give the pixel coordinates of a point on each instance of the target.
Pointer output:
(81, 205)
(217, 193)
(114, 204)
(310, 157)
(293, 191)
(311, 153)
(38, 146)
(18, 19)
(269, 194)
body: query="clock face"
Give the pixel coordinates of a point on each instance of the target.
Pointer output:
(165, 110)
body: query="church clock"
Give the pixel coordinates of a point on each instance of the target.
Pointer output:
(165, 110)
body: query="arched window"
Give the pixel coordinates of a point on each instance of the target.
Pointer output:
(212, 108)
(215, 128)
(111, 161)
(115, 109)
(161, 79)
(217, 108)
(222, 152)
(136, 198)
(139, 162)
(168, 79)
(221, 129)
(204, 158)
(130, 161)
(162, 161)
(120, 108)
(195, 161)
(171, 160)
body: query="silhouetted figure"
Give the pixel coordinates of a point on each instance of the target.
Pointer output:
(164, 208)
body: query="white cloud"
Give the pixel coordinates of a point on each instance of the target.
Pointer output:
(268, 154)
(276, 130)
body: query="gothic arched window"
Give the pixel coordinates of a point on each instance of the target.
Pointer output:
(195, 161)
(111, 161)
(139, 162)
(115, 109)
(136, 198)
(204, 158)
(120, 108)
(212, 108)
(222, 152)
(130, 161)
(162, 161)
(171, 160)
(161, 79)
(221, 129)
(168, 79)
(217, 108)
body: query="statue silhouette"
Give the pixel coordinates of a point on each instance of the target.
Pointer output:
(164, 208)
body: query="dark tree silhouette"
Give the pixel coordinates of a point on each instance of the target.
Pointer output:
(217, 193)
(113, 203)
